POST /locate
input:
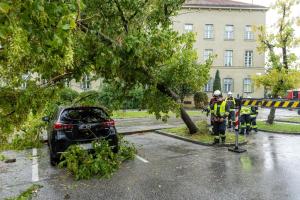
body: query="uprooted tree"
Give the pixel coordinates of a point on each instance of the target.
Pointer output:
(126, 42)
(280, 76)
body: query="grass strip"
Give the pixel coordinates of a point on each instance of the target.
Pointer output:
(291, 119)
(203, 135)
(279, 127)
(27, 194)
(145, 114)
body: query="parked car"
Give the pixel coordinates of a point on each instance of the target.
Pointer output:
(78, 125)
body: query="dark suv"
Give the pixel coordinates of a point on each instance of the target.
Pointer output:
(79, 125)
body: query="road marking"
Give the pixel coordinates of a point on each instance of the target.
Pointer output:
(141, 159)
(35, 166)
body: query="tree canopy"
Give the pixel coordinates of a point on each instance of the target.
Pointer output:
(217, 81)
(279, 43)
(128, 43)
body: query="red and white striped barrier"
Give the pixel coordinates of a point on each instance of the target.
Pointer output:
(236, 123)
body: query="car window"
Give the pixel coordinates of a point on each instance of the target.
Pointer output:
(83, 115)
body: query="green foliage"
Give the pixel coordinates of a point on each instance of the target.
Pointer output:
(102, 162)
(201, 100)
(270, 80)
(203, 135)
(114, 97)
(27, 194)
(129, 43)
(2, 157)
(217, 82)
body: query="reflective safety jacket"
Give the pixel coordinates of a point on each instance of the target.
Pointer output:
(221, 109)
(231, 103)
(245, 110)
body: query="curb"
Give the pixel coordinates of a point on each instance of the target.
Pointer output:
(290, 122)
(279, 132)
(138, 131)
(196, 142)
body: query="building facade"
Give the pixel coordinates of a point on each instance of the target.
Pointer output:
(225, 28)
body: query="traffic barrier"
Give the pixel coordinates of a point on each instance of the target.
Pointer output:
(236, 123)
(269, 103)
(236, 148)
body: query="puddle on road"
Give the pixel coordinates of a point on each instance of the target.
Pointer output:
(178, 149)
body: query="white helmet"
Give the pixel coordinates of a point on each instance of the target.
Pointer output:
(217, 93)
(229, 93)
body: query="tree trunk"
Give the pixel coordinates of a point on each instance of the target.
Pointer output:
(271, 116)
(188, 121)
(183, 114)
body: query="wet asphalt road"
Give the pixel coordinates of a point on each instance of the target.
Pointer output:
(175, 170)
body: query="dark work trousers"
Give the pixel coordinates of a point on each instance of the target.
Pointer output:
(231, 119)
(253, 123)
(245, 123)
(219, 130)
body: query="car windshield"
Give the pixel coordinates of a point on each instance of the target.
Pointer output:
(83, 115)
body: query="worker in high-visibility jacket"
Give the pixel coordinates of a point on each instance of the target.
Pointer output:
(245, 119)
(220, 113)
(230, 100)
(253, 115)
(210, 106)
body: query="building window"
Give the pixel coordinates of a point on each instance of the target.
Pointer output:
(248, 58)
(209, 31)
(228, 85)
(228, 58)
(209, 86)
(86, 82)
(249, 35)
(207, 53)
(247, 85)
(188, 28)
(229, 32)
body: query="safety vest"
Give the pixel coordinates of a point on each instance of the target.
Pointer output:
(232, 105)
(245, 110)
(223, 111)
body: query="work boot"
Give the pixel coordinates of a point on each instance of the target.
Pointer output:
(223, 140)
(216, 141)
(255, 129)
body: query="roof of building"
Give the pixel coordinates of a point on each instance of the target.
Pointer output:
(221, 4)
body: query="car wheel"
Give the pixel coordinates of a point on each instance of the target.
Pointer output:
(114, 142)
(54, 160)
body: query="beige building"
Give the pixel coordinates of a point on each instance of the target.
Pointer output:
(224, 28)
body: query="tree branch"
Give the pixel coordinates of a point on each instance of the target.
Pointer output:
(124, 20)
(78, 11)
(56, 79)
(81, 98)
